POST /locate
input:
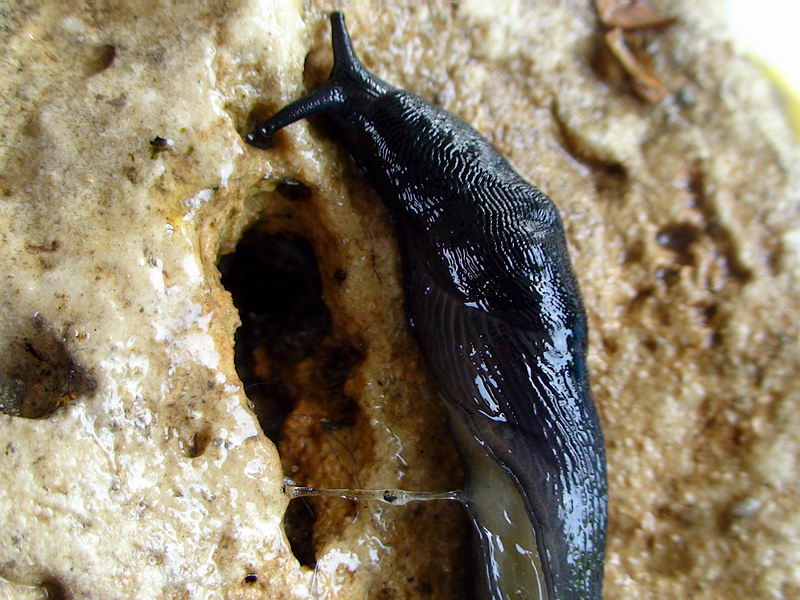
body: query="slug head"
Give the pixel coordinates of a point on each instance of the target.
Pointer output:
(349, 88)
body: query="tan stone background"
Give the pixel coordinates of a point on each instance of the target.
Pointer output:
(138, 469)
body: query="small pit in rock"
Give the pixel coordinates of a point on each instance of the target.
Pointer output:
(39, 374)
(293, 189)
(100, 58)
(679, 238)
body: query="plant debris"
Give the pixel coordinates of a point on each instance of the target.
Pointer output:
(644, 81)
(630, 15)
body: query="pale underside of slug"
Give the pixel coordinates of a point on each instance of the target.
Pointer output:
(497, 313)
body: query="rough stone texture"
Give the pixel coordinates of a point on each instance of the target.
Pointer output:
(130, 462)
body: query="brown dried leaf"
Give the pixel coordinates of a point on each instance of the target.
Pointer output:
(631, 14)
(645, 83)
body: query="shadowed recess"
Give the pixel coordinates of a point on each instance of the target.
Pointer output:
(679, 238)
(287, 353)
(39, 374)
(100, 58)
(275, 284)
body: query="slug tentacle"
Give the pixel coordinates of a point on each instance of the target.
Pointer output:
(496, 310)
(325, 99)
(348, 70)
(349, 85)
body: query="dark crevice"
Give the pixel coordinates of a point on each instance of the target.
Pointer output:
(298, 522)
(289, 356)
(275, 284)
(708, 313)
(55, 589)
(667, 276)
(639, 300)
(293, 189)
(716, 229)
(679, 238)
(650, 344)
(610, 345)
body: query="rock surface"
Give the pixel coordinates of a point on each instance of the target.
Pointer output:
(131, 462)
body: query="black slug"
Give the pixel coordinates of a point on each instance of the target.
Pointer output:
(496, 310)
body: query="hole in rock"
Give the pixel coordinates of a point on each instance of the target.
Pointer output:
(298, 522)
(275, 284)
(54, 589)
(293, 189)
(200, 442)
(100, 58)
(38, 373)
(679, 237)
(291, 361)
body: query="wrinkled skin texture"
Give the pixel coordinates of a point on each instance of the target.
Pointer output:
(497, 313)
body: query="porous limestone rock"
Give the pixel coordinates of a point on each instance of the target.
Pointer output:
(131, 462)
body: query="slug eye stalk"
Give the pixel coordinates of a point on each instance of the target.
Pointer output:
(348, 83)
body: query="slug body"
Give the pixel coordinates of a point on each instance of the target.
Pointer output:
(496, 310)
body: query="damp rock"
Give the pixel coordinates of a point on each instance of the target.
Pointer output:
(135, 397)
